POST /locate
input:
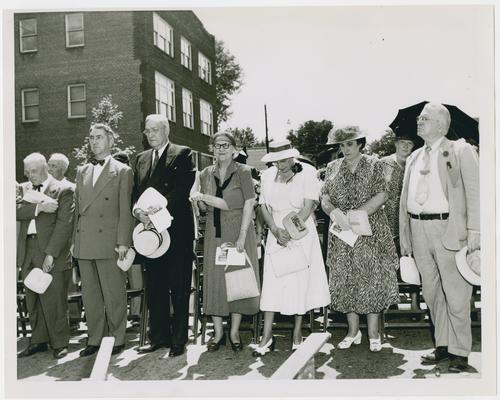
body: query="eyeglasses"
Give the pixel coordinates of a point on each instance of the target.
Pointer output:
(224, 146)
(423, 118)
(148, 131)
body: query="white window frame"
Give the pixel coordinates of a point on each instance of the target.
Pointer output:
(68, 31)
(210, 156)
(24, 105)
(162, 30)
(165, 96)
(204, 68)
(186, 53)
(21, 36)
(206, 110)
(71, 101)
(187, 108)
(195, 156)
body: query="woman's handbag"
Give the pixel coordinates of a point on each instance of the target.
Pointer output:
(241, 283)
(287, 259)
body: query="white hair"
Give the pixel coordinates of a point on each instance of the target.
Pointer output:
(35, 157)
(443, 112)
(60, 157)
(160, 119)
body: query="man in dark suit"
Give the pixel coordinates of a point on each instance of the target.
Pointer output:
(169, 169)
(43, 242)
(103, 233)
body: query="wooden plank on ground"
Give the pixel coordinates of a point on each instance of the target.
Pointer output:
(301, 357)
(101, 363)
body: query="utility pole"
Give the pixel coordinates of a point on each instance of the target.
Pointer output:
(267, 137)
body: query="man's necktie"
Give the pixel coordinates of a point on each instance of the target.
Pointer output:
(218, 193)
(156, 157)
(37, 187)
(423, 182)
(95, 162)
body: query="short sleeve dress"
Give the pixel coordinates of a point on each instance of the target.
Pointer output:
(301, 291)
(239, 189)
(362, 278)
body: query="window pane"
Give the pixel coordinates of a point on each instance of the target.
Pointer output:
(76, 93)
(31, 113)
(78, 109)
(30, 98)
(29, 43)
(28, 27)
(75, 22)
(75, 38)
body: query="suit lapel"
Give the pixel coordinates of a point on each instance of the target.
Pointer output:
(108, 173)
(144, 166)
(164, 162)
(444, 148)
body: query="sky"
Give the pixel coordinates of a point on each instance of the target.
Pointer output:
(354, 65)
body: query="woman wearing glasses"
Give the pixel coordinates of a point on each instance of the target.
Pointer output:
(227, 195)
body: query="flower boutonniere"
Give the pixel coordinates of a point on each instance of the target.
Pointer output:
(296, 168)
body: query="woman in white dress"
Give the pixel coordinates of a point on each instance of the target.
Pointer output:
(285, 187)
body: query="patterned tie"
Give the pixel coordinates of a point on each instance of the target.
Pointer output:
(423, 182)
(155, 161)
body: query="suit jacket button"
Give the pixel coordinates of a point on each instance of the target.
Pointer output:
(101, 216)
(78, 230)
(100, 230)
(106, 198)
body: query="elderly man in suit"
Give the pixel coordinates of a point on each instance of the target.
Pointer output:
(169, 169)
(439, 215)
(58, 166)
(103, 233)
(44, 242)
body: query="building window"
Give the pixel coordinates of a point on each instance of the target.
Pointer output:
(77, 101)
(28, 35)
(74, 30)
(195, 159)
(165, 96)
(187, 108)
(186, 53)
(204, 68)
(163, 35)
(206, 118)
(30, 105)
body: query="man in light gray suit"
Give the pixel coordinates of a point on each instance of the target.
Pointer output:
(103, 233)
(439, 215)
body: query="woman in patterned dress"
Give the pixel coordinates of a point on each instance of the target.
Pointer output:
(227, 194)
(363, 277)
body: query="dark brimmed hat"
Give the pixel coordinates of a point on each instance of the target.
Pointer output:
(345, 134)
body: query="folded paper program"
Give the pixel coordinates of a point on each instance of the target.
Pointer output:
(32, 196)
(358, 221)
(227, 254)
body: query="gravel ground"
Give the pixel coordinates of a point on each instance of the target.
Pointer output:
(400, 358)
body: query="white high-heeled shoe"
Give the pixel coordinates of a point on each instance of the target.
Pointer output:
(268, 347)
(296, 346)
(375, 344)
(348, 341)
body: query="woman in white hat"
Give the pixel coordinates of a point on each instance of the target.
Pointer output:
(285, 187)
(362, 277)
(227, 194)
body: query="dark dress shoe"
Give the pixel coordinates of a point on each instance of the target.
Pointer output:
(32, 349)
(236, 346)
(89, 350)
(176, 350)
(458, 364)
(214, 346)
(150, 347)
(117, 349)
(61, 352)
(440, 354)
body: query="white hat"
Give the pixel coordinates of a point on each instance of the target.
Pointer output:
(409, 271)
(469, 265)
(38, 281)
(149, 242)
(280, 150)
(127, 262)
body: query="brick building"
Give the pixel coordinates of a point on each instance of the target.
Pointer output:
(150, 62)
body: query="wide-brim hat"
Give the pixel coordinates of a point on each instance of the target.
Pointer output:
(409, 271)
(127, 262)
(345, 134)
(37, 280)
(469, 265)
(280, 150)
(149, 242)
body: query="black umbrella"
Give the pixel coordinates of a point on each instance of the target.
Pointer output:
(462, 125)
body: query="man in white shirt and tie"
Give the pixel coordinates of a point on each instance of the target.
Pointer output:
(46, 222)
(103, 233)
(439, 215)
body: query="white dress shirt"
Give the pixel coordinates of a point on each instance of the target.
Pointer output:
(436, 202)
(32, 225)
(98, 169)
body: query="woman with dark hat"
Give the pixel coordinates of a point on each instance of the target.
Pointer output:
(362, 276)
(227, 194)
(294, 280)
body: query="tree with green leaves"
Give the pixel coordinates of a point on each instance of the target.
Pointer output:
(244, 136)
(105, 112)
(310, 137)
(383, 146)
(228, 80)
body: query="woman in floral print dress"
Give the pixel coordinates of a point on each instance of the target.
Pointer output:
(363, 277)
